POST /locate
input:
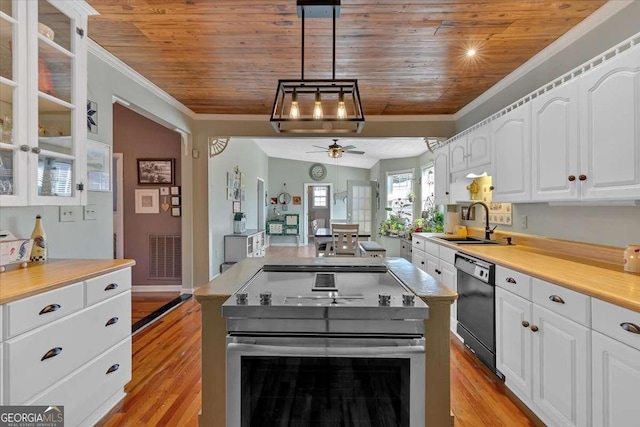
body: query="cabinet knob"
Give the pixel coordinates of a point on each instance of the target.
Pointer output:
(111, 287)
(36, 150)
(111, 321)
(556, 298)
(630, 327)
(525, 324)
(572, 178)
(446, 193)
(422, 262)
(534, 328)
(510, 280)
(582, 177)
(113, 368)
(491, 188)
(25, 148)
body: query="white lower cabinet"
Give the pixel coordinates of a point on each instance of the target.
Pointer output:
(513, 342)
(616, 382)
(561, 368)
(545, 359)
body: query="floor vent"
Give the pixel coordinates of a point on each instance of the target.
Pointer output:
(165, 256)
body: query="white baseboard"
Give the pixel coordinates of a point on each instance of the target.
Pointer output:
(284, 244)
(157, 288)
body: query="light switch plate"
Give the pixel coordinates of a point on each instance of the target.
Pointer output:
(67, 214)
(90, 213)
(523, 221)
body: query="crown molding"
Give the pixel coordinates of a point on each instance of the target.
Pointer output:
(232, 117)
(412, 118)
(104, 55)
(585, 26)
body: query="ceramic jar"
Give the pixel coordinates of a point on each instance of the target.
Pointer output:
(632, 259)
(39, 248)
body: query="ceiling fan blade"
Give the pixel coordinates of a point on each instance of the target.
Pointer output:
(323, 151)
(353, 152)
(317, 146)
(348, 147)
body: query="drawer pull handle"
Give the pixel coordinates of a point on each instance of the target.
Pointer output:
(525, 324)
(51, 353)
(111, 286)
(534, 328)
(630, 327)
(510, 280)
(111, 321)
(49, 309)
(113, 368)
(556, 298)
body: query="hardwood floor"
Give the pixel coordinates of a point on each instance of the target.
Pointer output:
(145, 303)
(165, 389)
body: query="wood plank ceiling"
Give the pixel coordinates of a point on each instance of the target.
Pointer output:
(226, 56)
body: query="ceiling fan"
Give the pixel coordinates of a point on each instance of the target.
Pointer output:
(335, 150)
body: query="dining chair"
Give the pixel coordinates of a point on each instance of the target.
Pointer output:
(321, 247)
(345, 239)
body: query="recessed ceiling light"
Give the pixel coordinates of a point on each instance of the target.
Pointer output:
(471, 52)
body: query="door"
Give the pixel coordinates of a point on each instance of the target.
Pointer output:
(316, 205)
(362, 204)
(261, 198)
(118, 206)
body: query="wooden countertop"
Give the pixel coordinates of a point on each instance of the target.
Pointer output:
(53, 274)
(608, 282)
(420, 282)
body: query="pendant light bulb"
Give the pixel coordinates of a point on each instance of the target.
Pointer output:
(294, 111)
(342, 110)
(317, 108)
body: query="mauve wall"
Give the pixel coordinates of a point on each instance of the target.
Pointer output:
(137, 137)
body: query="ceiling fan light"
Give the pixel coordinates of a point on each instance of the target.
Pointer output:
(317, 107)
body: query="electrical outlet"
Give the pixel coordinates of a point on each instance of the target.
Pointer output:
(67, 214)
(523, 221)
(90, 213)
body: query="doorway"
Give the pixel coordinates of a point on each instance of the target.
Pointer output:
(261, 203)
(318, 206)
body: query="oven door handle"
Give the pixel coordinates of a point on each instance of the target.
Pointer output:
(277, 350)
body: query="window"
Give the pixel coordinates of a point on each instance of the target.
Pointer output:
(400, 194)
(428, 187)
(320, 197)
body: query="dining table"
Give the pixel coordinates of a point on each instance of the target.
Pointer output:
(324, 235)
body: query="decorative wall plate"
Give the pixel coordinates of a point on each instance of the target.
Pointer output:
(217, 145)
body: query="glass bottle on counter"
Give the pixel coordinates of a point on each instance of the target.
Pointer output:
(39, 248)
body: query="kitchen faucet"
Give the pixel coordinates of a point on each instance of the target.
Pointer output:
(487, 229)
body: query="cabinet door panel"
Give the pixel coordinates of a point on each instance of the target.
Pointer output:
(458, 154)
(513, 342)
(449, 278)
(511, 138)
(554, 151)
(441, 179)
(561, 368)
(610, 123)
(479, 147)
(432, 265)
(616, 381)
(419, 259)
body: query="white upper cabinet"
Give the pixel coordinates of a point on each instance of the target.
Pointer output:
(441, 175)
(472, 150)
(610, 128)
(44, 87)
(511, 155)
(554, 154)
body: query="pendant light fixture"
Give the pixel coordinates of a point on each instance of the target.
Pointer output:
(326, 106)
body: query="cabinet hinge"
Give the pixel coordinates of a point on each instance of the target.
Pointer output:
(80, 187)
(80, 31)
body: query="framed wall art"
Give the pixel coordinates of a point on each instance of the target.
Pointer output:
(147, 201)
(235, 208)
(176, 211)
(155, 171)
(175, 190)
(98, 166)
(175, 200)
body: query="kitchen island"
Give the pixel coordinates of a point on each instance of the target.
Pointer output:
(214, 331)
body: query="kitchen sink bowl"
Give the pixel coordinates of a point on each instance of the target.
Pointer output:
(465, 240)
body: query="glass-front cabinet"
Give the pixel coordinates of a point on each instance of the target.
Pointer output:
(43, 99)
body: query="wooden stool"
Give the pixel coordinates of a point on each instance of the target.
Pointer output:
(372, 249)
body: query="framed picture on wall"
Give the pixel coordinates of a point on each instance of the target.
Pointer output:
(235, 207)
(175, 190)
(176, 211)
(147, 201)
(155, 171)
(175, 200)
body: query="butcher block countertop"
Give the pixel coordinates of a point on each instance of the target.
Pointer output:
(420, 282)
(605, 281)
(53, 274)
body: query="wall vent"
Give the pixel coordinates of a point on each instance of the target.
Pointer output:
(165, 256)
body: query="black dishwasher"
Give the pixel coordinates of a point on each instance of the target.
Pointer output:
(476, 307)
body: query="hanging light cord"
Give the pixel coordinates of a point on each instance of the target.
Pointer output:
(302, 44)
(334, 44)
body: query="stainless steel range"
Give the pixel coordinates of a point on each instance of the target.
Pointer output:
(324, 346)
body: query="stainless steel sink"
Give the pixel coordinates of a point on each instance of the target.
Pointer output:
(465, 240)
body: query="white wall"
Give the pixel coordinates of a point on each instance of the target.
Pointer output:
(251, 161)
